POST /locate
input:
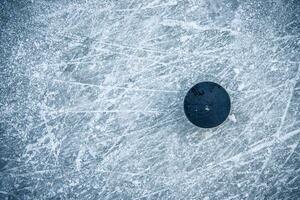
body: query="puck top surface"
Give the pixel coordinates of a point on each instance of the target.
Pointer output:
(207, 104)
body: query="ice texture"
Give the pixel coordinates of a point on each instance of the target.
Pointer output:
(92, 99)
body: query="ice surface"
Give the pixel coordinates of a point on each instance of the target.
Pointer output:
(92, 99)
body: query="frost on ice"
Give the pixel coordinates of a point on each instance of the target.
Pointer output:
(92, 99)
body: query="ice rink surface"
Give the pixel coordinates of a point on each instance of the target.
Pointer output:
(92, 99)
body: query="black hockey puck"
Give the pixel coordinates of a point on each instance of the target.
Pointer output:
(207, 104)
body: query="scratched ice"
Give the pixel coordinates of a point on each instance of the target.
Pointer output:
(92, 99)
